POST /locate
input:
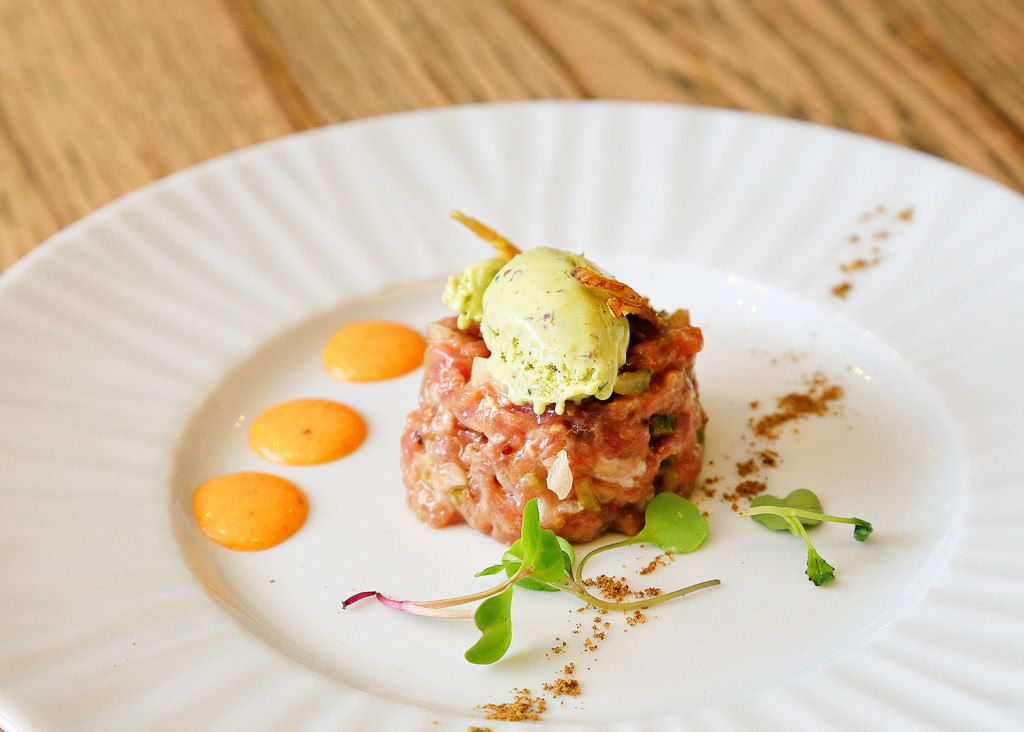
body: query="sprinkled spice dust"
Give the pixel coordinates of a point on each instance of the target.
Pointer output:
(523, 708)
(879, 225)
(709, 480)
(746, 468)
(609, 587)
(842, 289)
(616, 590)
(768, 458)
(789, 356)
(527, 707)
(565, 685)
(860, 263)
(819, 397)
(747, 489)
(818, 400)
(662, 560)
(636, 618)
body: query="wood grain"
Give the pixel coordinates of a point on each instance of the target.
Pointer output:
(99, 98)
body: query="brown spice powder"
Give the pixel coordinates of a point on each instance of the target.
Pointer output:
(522, 708)
(610, 588)
(879, 217)
(860, 264)
(816, 401)
(636, 618)
(661, 560)
(842, 289)
(746, 489)
(746, 468)
(563, 687)
(820, 397)
(566, 685)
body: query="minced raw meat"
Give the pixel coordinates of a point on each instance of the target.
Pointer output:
(471, 455)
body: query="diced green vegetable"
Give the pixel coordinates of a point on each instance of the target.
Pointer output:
(632, 382)
(585, 494)
(661, 425)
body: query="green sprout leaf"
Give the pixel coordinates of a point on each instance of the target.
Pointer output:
(800, 498)
(540, 560)
(862, 529)
(818, 570)
(542, 555)
(493, 618)
(671, 522)
(494, 569)
(530, 531)
(513, 560)
(797, 512)
(548, 563)
(674, 524)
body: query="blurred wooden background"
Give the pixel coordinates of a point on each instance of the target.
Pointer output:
(98, 97)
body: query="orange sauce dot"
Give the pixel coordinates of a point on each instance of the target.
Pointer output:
(306, 432)
(249, 511)
(373, 350)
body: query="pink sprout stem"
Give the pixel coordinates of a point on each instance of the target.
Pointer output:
(437, 608)
(408, 606)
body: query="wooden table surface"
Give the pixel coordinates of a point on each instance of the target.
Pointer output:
(98, 98)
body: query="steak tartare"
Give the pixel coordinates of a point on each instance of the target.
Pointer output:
(470, 454)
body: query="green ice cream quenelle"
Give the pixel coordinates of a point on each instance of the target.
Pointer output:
(464, 294)
(552, 339)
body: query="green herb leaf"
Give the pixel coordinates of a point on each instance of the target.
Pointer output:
(800, 498)
(541, 551)
(548, 560)
(861, 529)
(568, 554)
(512, 561)
(493, 569)
(540, 560)
(674, 524)
(529, 535)
(671, 522)
(818, 570)
(798, 510)
(493, 618)
(551, 557)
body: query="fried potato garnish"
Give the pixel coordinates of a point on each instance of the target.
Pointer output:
(505, 249)
(622, 300)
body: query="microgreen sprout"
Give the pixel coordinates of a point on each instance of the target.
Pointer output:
(540, 560)
(796, 513)
(671, 522)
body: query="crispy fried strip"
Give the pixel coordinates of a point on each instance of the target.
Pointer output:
(623, 299)
(506, 249)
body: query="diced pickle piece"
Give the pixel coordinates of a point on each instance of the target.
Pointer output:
(662, 424)
(632, 382)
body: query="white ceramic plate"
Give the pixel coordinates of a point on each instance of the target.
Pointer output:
(135, 346)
